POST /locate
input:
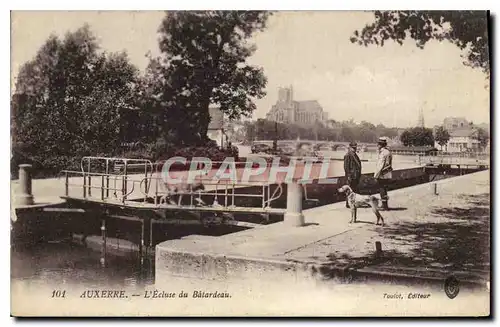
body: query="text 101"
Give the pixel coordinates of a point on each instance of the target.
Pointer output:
(58, 293)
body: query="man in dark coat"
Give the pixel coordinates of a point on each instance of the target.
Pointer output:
(352, 168)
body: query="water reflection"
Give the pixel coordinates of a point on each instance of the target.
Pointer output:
(75, 265)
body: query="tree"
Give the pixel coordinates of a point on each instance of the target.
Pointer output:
(417, 136)
(482, 136)
(406, 138)
(367, 132)
(68, 99)
(442, 136)
(347, 134)
(390, 132)
(466, 29)
(150, 100)
(203, 63)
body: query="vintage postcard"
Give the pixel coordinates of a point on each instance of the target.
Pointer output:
(250, 163)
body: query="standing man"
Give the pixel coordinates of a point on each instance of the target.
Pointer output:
(352, 168)
(383, 172)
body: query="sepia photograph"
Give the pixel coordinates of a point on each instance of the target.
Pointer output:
(246, 163)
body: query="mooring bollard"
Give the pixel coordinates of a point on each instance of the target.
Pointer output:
(25, 197)
(293, 215)
(434, 188)
(378, 249)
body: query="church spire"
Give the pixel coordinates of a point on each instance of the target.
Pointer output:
(421, 122)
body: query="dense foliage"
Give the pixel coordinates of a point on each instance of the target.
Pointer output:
(73, 99)
(417, 136)
(441, 136)
(203, 63)
(68, 99)
(482, 136)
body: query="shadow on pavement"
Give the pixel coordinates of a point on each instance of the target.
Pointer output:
(365, 222)
(310, 224)
(398, 209)
(459, 241)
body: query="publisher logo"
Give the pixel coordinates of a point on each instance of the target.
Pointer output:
(451, 287)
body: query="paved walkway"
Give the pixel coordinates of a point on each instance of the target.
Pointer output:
(426, 234)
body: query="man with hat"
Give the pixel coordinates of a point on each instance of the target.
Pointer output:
(383, 172)
(352, 168)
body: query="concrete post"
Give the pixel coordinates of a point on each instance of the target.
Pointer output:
(378, 248)
(293, 215)
(25, 197)
(434, 188)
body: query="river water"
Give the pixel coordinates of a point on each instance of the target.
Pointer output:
(73, 264)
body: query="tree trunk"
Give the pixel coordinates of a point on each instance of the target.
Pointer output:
(204, 120)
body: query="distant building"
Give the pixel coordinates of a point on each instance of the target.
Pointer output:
(452, 123)
(288, 111)
(463, 139)
(463, 134)
(216, 126)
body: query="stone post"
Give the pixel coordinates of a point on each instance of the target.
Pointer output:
(293, 215)
(434, 188)
(378, 248)
(25, 197)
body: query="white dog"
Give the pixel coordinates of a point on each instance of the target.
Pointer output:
(181, 189)
(357, 201)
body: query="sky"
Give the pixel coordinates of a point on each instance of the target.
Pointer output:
(309, 50)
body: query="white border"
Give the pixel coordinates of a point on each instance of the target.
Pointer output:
(6, 6)
(246, 5)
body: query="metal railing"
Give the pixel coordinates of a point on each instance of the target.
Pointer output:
(114, 166)
(115, 182)
(227, 189)
(434, 157)
(473, 155)
(86, 185)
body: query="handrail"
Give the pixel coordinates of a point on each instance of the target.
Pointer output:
(217, 192)
(274, 197)
(206, 181)
(148, 165)
(102, 187)
(115, 158)
(267, 198)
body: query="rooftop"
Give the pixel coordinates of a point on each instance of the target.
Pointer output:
(463, 132)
